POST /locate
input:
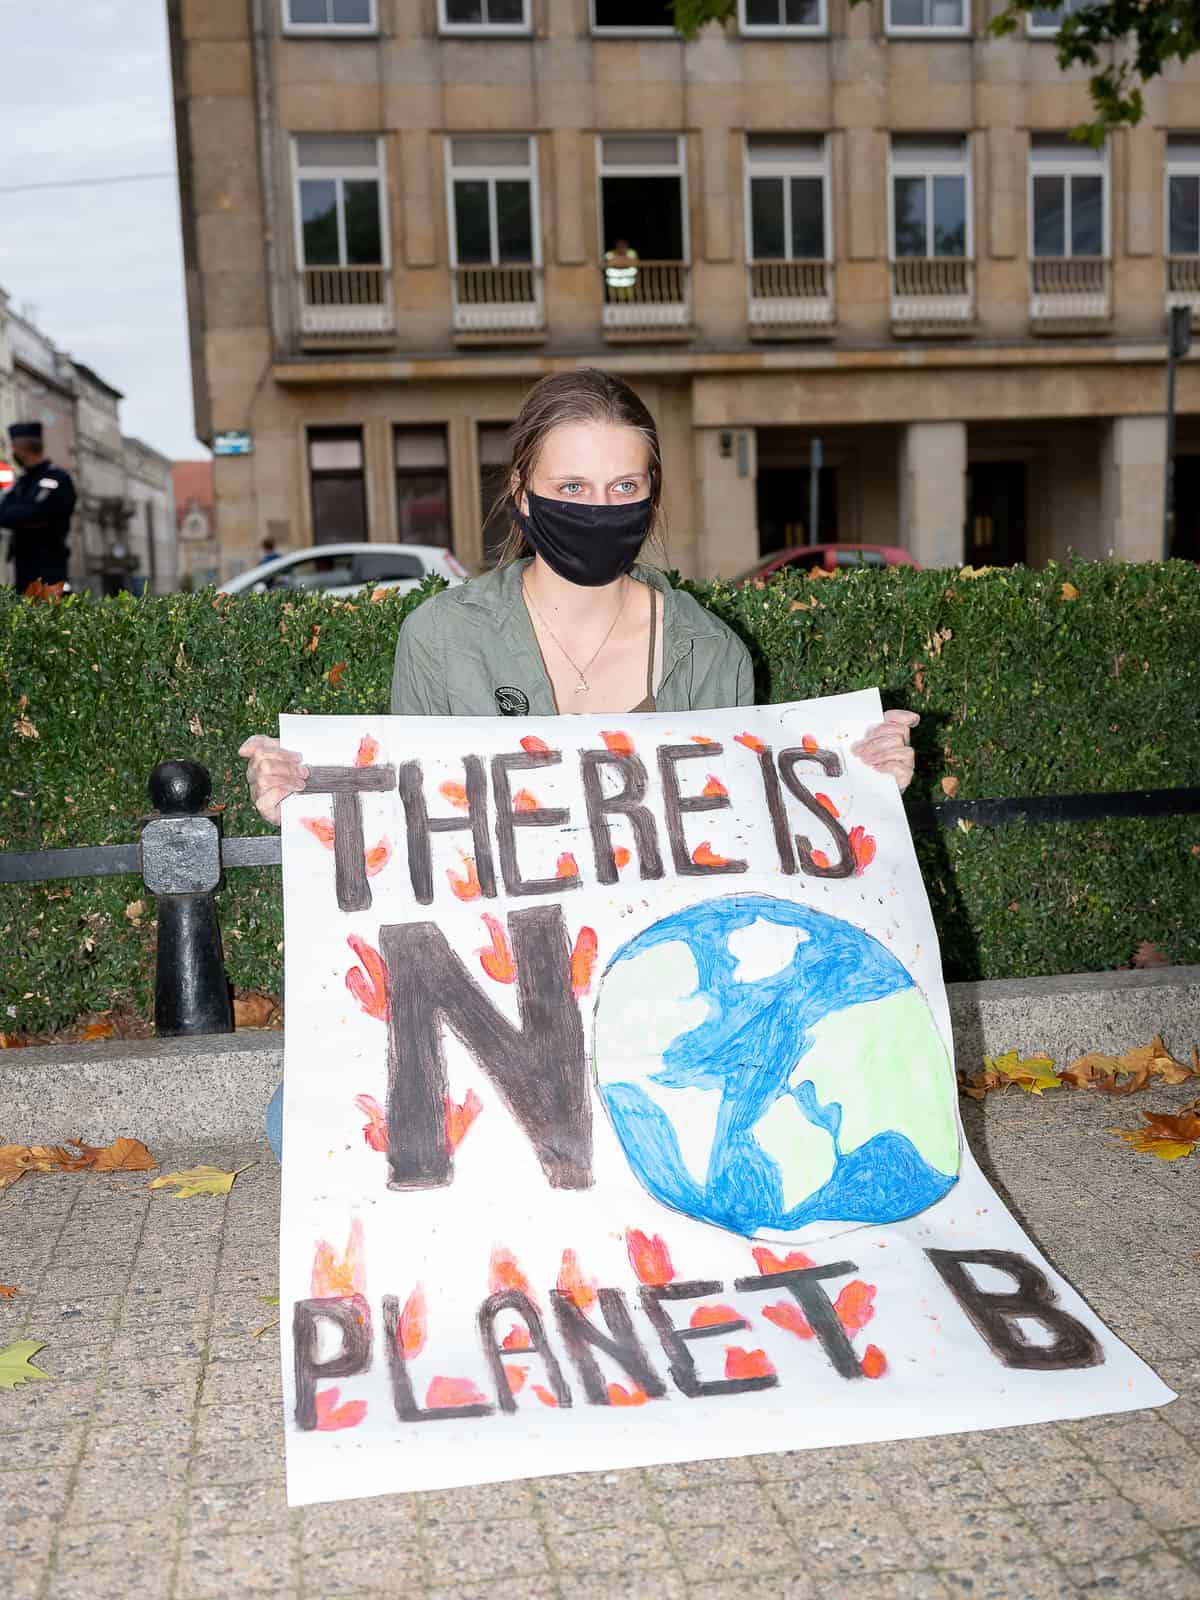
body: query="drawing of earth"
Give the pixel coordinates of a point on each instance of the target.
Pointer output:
(767, 1066)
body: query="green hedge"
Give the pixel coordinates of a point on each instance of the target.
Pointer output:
(1021, 691)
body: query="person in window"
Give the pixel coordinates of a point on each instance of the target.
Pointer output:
(621, 270)
(269, 552)
(570, 620)
(37, 511)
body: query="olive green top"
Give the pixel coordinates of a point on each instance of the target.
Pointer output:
(471, 652)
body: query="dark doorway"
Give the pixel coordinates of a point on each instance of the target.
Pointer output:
(995, 531)
(1186, 543)
(647, 213)
(783, 507)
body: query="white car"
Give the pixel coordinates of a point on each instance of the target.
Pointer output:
(343, 569)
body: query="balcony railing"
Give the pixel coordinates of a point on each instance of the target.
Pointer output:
(346, 304)
(504, 302)
(1183, 284)
(933, 294)
(1069, 295)
(657, 300)
(790, 298)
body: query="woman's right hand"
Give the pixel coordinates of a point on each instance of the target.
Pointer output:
(273, 773)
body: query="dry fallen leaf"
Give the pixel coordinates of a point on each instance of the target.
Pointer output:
(198, 1180)
(1069, 592)
(335, 672)
(133, 912)
(97, 1030)
(1033, 1074)
(252, 1010)
(974, 572)
(8, 1291)
(1149, 955)
(314, 638)
(123, 1155)
(1166, 1136)
(15, 1367)
(949, 787)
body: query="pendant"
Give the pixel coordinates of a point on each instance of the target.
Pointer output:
(582, 686)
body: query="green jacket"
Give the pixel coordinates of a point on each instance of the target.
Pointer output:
(459, 653)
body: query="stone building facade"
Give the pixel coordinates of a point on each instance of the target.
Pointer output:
(864, 226)
(151, 530)
(196, 524)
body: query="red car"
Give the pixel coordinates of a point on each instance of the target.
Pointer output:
(829, 557)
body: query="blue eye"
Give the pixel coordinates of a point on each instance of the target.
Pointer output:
(571, 487)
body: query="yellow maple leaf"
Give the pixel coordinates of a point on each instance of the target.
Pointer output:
(197, 1180)
(1033, 1075)
(1166, 1136)
(15, 1365)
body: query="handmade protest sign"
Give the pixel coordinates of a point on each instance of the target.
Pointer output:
(620, 1120)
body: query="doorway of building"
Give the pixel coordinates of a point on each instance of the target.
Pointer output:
(783, 507)
(995, 531)
(1186, 543)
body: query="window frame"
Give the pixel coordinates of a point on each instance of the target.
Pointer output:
(489, 175)
(338, 175)
(930, 170)
(931, 30)
(399, 472)
(338, 30)
(485, 30)
(325, 432)
(1036, 30)
(776, 30)
(1178, 167)
(786, 170)
(599, 30)
(1063, 168)
(649, 169)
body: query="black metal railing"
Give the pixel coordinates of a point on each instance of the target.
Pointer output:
(181, 853)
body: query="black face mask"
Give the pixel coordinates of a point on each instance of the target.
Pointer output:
(588, 545)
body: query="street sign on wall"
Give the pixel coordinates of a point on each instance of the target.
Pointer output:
(7, 477)
(233, 442)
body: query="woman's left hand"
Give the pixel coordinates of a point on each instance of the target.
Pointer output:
(886, 748)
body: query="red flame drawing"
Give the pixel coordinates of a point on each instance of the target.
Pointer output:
(621, 856)
(504, 1274)
(331, 1416)
(572, 1282)
(767, 1261)
(496, 959)
(444, 1392)
(583, 961)
(413, 1327)
(714, 789)
(809, 743)
(375, 1130)
(465, 884)
(854, 1306)
(824, 800)
(456, 794)
(863, 846)
(368, 983)
(567, 866)
(378, 857)
(713, 1316)
(702, 738)
(741, 1363)
(533, 746)
(524, 801)
(619, 1395)
(787, 1314)
(334, 1276)
(517, 1339)
(874, 1362)
(368, 749)
(705, 856)
(516, 1378)
(649, 1257)
(321, 829)
(751, 741)
(618, 744)
(544, 1395)
(460, 1117)
(820, 859)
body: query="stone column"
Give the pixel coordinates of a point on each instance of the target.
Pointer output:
(727, 532)
(1133, 463)
(933, 480)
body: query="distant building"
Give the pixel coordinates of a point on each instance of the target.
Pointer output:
(195, 524)
(8, 383)
(151, 532)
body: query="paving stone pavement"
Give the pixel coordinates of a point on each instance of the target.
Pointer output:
(152, 1466)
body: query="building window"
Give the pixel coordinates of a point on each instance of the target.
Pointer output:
(339, 201)
(1047, 20)
(493, 188)
(786, 203)
(931, 214)
(1068, 198)
(319, 16)
(495, 455)
(422, 486)
(928, 16)
(1183, 197)
(337, 485)
(642, 198)
(483, 16)
(781, 16)
(633, 16)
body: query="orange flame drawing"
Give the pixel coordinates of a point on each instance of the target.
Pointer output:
(854, 1306)
(768, 1262)
(331, 1416)
(713, 1316)
(874, 1362)
(378, 857)
(824, 800)
(705, 856)
(533, 746)
(466, 884)
(618, 744)
(714, 789)
(751, 741)
(321, 828)
(375, 1129)
(456, 794)
(786, 1314)
(572, 1282)
(544, 1395)
(524, 801)
(505, 1274)
(460, 1117)
(368, 749)
(702, 738)
(413, 1327)
(621, 856)
(619, 1395)
(820, 859)
(583, 960)
(567, 866)
(444, 1392)
(809, 743)
(517, 1339)
(650, 1258)
(335, 1276)
(496, 959)
(741, 1363)
(368, 983)
(863, 846)
(516, 1378)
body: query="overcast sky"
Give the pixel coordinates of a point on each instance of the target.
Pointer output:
(87, 94)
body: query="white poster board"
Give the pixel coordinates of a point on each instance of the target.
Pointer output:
(620, 1121)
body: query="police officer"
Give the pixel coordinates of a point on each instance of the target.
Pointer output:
(37, 511)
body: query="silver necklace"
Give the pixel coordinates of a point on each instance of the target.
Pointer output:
(582, 686)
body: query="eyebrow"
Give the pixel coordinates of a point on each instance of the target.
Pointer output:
(580, 477)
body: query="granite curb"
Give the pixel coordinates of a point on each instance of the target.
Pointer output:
(218, 1087)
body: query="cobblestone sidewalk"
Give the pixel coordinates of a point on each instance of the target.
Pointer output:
(152, 1467)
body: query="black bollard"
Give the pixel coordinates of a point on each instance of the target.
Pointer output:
(181, 865)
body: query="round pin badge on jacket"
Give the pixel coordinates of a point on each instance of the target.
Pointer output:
(512, 702)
